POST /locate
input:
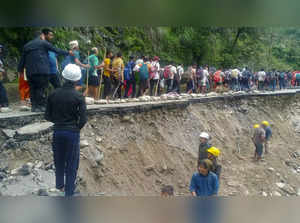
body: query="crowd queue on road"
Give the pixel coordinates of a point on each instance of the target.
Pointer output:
(65, 105)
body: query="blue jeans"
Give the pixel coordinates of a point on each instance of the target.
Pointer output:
(281, 84)
(66, 159)
(272, 85)
(234, 84)
(3, 96)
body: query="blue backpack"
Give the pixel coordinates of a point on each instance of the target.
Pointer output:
(144, 73)
(128, 71)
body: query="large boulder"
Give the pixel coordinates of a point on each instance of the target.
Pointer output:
(35, 128)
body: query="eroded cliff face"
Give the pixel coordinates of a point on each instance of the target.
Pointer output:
(136, 153)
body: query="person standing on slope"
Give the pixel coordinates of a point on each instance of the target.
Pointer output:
(66, 108)
(266, 126)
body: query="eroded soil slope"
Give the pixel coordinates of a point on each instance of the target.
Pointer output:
(137, 153)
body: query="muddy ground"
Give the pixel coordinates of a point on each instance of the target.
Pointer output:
(136, 153)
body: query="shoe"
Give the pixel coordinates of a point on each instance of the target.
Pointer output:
(5, 109)
(42, 109)
(35, 109)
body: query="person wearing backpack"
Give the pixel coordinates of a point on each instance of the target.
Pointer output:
(217, 79)
(129, 77)
(272, 80)
(143, 77)
(245, 79)
(297, 79)
(167, 77)
(180, 72)
(174, 79)
(190, 86)
(234, 79)
(289, 79)
(261, 79)
(282, 80)
(204, 80)
(154, 74)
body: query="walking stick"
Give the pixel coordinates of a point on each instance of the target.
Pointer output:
(156, 88)
(117, 88)
(87, 76)
(101, 78)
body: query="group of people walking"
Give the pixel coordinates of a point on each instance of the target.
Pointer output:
(66, 106)
(205, 79)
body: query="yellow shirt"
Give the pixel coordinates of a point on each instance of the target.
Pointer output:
(118, 64)
(106, 65)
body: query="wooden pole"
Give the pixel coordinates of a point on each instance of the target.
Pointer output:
(87, 76)
(101, 78)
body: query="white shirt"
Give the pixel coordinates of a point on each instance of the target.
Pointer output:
(173, 71)
(180, 71)
(261, 75)
(156, 64)
(205, 75)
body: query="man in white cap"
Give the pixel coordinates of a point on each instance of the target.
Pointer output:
(66, 108)
(74, 46)
(204, 145)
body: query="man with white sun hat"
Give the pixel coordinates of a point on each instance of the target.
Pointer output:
(66, 108)
(203, 146)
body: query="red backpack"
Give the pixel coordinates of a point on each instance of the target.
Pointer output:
(153, 70)
(167, 72)
(217, 77)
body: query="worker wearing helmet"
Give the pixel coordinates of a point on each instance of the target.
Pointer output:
(266, 126)
(204, 145)
(258, 140)
(212, 154)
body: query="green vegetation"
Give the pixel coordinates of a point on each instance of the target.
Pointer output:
(221, 47)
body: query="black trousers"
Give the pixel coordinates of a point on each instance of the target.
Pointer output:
(66, 154)
(38, 84)
(128, 84)
(54, 80)
(170, 85)
(153, 84)
(107, 86)
(142, 87)
(116, 87)
(3, 96)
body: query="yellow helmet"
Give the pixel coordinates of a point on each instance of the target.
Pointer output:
(214, 151)
(266, 123)
(256, 126)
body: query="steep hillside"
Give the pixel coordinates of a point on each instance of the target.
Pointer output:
(136, 153)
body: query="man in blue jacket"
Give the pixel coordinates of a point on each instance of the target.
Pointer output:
(205, 182)
(36, 61)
